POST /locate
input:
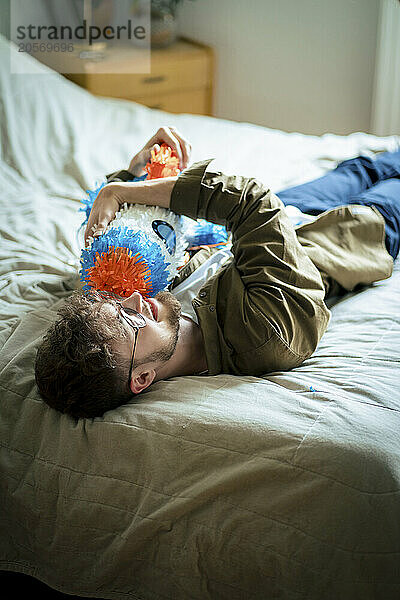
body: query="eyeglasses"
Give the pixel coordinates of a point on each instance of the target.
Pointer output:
(136, 321)
(130, 315)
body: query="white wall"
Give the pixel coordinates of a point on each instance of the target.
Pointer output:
(385, 117)
(296, 65)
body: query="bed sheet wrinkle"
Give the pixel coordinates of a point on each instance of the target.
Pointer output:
(344, 380)
(288, 463)
(134, 513)
(293, 458)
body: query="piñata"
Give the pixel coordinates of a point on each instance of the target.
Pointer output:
(143, 247)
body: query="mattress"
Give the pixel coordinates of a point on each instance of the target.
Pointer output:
(285, 486)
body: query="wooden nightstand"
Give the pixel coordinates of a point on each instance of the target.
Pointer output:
(181, 79)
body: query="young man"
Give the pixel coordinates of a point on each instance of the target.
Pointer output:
(256, 309)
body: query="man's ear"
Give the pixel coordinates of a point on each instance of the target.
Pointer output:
(142, 381)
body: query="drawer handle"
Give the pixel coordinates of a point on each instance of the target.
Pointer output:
(156, 79)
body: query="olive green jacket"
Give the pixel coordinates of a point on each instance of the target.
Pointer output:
(264, 309)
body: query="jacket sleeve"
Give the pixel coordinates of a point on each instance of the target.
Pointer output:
(270, 299)
(122, 175)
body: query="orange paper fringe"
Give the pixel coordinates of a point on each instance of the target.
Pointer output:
(163, 163)
(119, 272)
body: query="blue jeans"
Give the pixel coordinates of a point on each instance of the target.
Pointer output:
(361, 180)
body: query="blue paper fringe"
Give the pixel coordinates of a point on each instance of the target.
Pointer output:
(139, 243)
(203, 233)
(197, 233)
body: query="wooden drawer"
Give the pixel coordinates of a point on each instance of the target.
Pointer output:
(161, 80)
(190, 101)
(182, 66)
(180, 80)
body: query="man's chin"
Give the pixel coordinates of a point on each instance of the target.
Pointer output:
(172, 304)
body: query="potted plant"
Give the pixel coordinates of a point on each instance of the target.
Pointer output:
(163, 22)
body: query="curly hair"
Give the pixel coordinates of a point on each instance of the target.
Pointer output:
(77, 370)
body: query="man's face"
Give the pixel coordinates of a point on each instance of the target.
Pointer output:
(157, 341)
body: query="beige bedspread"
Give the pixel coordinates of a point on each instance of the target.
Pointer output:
(286, 486)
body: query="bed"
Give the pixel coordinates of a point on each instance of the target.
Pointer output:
(285, 486)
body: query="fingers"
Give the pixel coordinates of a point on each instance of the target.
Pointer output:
(103, 211)
(173, 138)
(186, 147)
(168, 135)
(88, 233)
(140, 160)
(92, 231)
(91, 226)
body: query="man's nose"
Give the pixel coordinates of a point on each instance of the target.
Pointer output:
(134, 301)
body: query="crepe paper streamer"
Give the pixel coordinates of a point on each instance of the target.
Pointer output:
(204, 233)
(88, 201)
(163, 163)
(119, 272)
(144, 247)
(92, 195)
(123, 261)
(146, 219)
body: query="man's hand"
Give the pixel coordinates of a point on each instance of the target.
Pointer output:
(156, 192)
(168, 135)
(113, 195)
(103, 211)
